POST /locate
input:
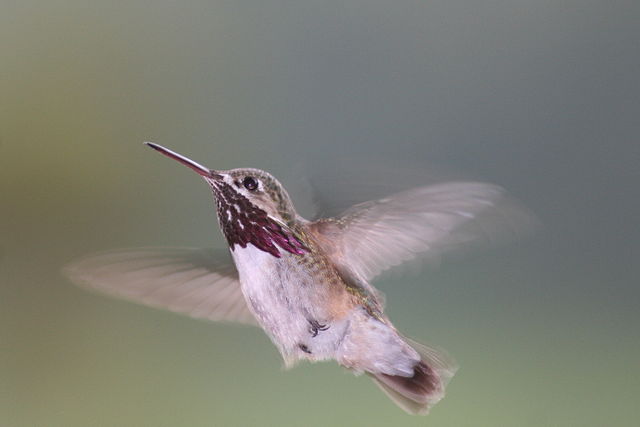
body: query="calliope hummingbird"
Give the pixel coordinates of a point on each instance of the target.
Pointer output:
(306, 283)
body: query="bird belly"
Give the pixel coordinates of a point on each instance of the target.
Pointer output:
(290, 304)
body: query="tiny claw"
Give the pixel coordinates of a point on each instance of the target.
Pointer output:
(316, 327)
(304, 348)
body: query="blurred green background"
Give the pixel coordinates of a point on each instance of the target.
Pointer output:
(541, 97)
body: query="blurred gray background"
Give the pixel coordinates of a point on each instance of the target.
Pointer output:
(541, 97)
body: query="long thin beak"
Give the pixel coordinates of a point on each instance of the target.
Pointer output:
(200, 170)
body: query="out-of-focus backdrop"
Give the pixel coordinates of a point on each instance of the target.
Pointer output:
(541, 97)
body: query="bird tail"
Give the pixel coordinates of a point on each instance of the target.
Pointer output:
(418, 393)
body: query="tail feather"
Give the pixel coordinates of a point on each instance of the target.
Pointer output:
(418, 393)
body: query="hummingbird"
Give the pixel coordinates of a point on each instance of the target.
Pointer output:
(307, 284)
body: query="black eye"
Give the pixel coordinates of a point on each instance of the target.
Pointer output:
(250, 183)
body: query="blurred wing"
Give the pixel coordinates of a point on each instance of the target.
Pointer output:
(373, 236)
(201, 283)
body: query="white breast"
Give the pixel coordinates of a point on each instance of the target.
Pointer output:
(277, 292)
